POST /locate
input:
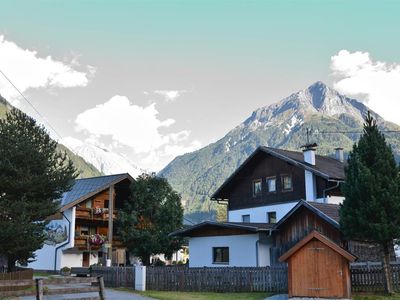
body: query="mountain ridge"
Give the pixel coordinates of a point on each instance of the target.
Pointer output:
(198, 174)
(84, 168)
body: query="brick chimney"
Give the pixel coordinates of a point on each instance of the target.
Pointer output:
(309, 177)
(339, 154)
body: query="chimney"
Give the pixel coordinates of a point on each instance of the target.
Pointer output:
(309, 177)
(339, 154)
(309, 153)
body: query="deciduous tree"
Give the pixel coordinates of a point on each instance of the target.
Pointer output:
(152, 212)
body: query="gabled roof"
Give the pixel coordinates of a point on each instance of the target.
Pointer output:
(249, 227)
(87, 187)
(316, 235)
(328, 212)
(325, 167)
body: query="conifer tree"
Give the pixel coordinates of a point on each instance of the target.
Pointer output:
(32, 177)
(152, 212)
(371, 209)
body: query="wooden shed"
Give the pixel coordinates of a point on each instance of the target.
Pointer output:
(318, 267)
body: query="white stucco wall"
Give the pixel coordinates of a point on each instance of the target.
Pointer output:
(259, 214)
(242, 251)
(45, 257)
(71, 260)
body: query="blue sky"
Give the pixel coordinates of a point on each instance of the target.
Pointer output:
(181, 66)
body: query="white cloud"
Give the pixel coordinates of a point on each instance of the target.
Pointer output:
(134, 128)
(170, 95)
(27, 70)
(357, 74)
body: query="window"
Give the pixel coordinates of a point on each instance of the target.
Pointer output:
(84, 230)
(220, 255)
(271, 184)
(89, 203)
(106, 203)
(246, 218)
(287, 182)
(271, 217)
(256, 187)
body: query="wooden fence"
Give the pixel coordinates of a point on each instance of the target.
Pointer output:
(369, 277)
(41, 287)
(115, 276)
(181, 278)
(246, 279)
(21, 274)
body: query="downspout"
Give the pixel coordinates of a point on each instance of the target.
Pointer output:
(62, 245)
(330, 188)
(257, 243)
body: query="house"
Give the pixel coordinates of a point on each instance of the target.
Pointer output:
(274, 199)
(82, 232)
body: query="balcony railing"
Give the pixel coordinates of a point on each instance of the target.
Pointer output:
(100, 214)
(82, 243)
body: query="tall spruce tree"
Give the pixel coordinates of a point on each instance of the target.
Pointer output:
(152, 212)
(32, 177)
(371, 209)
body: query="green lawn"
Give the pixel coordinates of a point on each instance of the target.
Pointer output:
(41, 274)
(199, 296)
(375, 297)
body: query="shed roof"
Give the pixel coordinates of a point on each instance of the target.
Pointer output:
(316, 235)
(328, 212)
(87, 187)
(325, 167)
(249, 227)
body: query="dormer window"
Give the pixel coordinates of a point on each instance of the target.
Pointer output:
(256, 187)
(287, 184)
(271, 184)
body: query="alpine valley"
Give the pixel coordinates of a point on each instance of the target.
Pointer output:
(333, 119)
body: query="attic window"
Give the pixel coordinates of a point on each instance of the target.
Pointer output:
(271, 184)
(256, 187)
(287, 183)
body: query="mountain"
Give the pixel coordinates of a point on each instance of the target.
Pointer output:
(85, 168)
(283, 125)
(106, 161)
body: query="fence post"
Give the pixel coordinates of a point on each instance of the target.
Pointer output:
(140, 278)
(101, 288)
(39, 289)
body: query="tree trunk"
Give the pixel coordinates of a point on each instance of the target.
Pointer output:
(387, 270)
(145, 260)
(10, 264)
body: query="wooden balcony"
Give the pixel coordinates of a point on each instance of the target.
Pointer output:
(94, 214)
(82, 243)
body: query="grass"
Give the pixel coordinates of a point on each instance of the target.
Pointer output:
(41, 274)
(161, 295)
(375, 297)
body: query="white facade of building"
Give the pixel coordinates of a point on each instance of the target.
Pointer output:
(247, 250)
(260, 214)
(51, 256)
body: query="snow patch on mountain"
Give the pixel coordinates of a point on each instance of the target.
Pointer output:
(106, 161)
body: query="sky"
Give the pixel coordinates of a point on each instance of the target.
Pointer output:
(155, 79)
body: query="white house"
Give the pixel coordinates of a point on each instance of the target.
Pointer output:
(81, 233)
(270, 185)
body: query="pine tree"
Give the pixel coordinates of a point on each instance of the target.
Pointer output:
(152, 212)
(32, 177)
(371, 209)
